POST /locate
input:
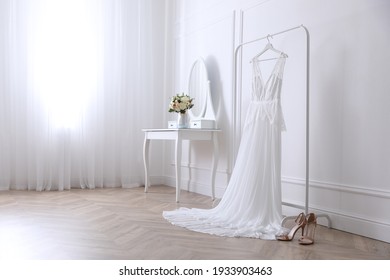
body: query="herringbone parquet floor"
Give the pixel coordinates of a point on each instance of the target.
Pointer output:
(119, 224)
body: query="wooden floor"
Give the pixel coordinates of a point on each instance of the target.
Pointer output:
(120, 224)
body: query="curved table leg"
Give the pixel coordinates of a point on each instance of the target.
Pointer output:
(146, 162)
(214, 164)
(178, 167)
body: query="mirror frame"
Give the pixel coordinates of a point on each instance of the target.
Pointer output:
(207, 109)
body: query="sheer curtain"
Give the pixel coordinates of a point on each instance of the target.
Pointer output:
(75, 80)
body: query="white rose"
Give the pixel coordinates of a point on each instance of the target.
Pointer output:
(185, 99)
(182, 106)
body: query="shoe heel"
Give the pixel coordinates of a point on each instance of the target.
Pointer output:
(311, 224)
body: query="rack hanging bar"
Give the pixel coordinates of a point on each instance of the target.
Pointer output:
(269, 35)
(306, 206)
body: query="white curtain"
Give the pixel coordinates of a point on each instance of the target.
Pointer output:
(76, 77)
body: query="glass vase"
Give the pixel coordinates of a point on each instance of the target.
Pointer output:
(182, 120)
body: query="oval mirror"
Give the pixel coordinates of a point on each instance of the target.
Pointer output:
(198, 88)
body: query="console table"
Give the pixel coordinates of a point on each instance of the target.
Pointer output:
(178, 135)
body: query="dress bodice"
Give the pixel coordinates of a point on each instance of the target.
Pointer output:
(267, 90)
(265, 99)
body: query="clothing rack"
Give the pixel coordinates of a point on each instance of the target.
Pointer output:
(238, 48)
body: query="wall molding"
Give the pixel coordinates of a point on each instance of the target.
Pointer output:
(373, 192)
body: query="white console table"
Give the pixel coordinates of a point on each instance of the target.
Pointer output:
(178, 135)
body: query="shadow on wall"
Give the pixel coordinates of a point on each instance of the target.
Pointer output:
(221, 112)
(216, 89)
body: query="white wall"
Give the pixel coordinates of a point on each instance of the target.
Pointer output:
(350, 95)
(194, 38)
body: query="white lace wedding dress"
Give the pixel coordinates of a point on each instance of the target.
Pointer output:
(251, 205)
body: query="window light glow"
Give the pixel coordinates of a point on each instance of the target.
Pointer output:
(64, 60)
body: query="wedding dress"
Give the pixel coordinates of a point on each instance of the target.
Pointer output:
(251, 205)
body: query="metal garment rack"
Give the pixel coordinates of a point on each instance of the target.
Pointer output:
(238, 48)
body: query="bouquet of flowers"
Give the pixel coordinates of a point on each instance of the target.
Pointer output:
(180, 103)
